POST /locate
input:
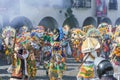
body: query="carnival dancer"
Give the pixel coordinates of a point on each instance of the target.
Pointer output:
(37, 34)
(106, 34)
(47, 52)
(115, 59)
(65, 42)
(106, 46)
(36, 50)
(58, 43)
(89, 47)
(76, 36)
(94, 33)
(20, 64)
(20, 55)
(31, 65)
(65, 46)
(115, 53)
(8, 36)
(57, 62)
(30, 44)
(47, 47)
(9, 50)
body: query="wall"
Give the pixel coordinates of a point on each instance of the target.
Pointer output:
(82, 13)
(114, 14)
(37, 13)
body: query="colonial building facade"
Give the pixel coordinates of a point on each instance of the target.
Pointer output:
(57, 13)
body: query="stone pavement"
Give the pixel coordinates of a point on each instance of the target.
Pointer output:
(69, 74)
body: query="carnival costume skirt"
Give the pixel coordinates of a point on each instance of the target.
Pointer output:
(87, 70)
(57, 71)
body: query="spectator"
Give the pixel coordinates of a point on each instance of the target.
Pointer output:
(104, 69)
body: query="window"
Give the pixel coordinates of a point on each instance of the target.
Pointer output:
(113, 5)
(87, 3)
(81, 3)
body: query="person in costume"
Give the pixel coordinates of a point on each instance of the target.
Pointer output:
(66, 41)
(106, 46)
(20, 64)
(115, 55)
(65, 45)
(76, 42)
(57, 62)
(87, 70)
(9, 51)
(47, 47)
(31, 65)
(47, 51)
(58, 38)
(115, 59)
(8, 37)
(37, 42)
(36, 49)
(104, 69)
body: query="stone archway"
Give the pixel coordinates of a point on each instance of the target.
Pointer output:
(21, 21)
(117, 21)
(48, 22)
(90, 21)
(106, 20)
(71, 22)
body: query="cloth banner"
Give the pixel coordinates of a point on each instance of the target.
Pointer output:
(101, 8)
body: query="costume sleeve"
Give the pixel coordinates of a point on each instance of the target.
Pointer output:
(25, 55)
